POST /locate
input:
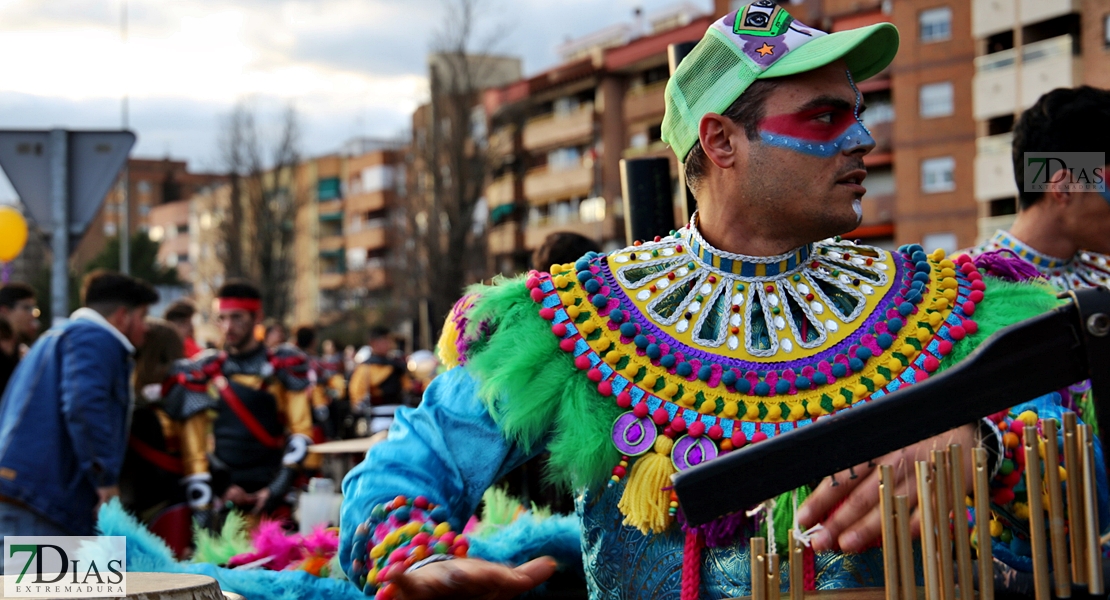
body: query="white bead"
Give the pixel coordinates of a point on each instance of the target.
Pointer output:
(621, 258)
(773, 299)
(694, 307)
(643, 295)
(733, 342)
(817, 307)
(880, 266)
(867, 289)
(662, 283)
(682, 326)
(831, 325)
(787, 345)
(667, 252)
(858, 261)
(845, 279)
(780, 322)
(738, 299)
(803, 289)
(706, 288)
(734, 320)
(681, 272)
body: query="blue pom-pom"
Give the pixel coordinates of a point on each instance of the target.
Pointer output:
(582, 264)
(653, 351)
(641, 341)
(905, 309)
(922, 277)
(592, 286)
(743, 386)
(617, 316)
(667, 361)
(895, 325)
(802, 382)
(705, 372)
(863, 353)
(402, 514)
(820, 378)
(918, 256)
(628, 330)
(728, 378)
(855, 364)
(762, 388)
(918, 285)
(782, 386)
(600, 300)
(922, 267)
(839, 369)
(439, 514)
(884, 340)
(585, 275)
(684, 369)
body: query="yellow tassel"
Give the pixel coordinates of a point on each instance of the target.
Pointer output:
(645, 503)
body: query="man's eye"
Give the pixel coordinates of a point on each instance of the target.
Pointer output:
(826, 118)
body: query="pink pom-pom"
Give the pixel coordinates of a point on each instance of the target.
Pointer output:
(969, 308)
(594, 375)
(976, 296)
(678, 424)
(660, 416)
(547, 313)
(697, 429)
(944, 347)
(971, 326)
(738, 438)
(624, 400)
(537, 294)
(715, 432)
(605, 388)
(640, 410)
(978, 285)
(566, 344)
(582, 362)
(957, 333)
(758, 436)
(931, 364)
(559, 329)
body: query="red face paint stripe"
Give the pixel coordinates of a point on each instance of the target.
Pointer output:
(804, 125)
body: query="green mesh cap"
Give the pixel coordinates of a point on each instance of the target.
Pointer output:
(760, 41)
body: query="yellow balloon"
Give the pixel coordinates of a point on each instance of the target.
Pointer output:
(13, 233)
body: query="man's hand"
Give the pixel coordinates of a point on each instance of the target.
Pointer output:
(849, 508)
(105, 494)
(260, 498)
(467, 578)
(238, 496)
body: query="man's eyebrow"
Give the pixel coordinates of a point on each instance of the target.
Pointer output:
(833, 102)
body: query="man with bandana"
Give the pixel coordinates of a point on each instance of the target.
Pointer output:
(751, 321)
(263, 418)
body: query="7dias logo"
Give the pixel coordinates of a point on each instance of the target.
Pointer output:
(1072, 171)
(65, 566)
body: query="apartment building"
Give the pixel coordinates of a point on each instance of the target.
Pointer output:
(1025, 48)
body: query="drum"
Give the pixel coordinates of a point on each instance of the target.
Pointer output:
(168, 586)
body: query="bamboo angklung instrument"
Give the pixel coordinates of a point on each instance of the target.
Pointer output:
(890, 543)
(905, 547)
(1034, 488)
(774, 579)
(944, 530)
(1073, 466)
(1060, 572)
(1093, 559)
(797, 569)
(928, 529)
(982, 525)
(758, 551)
(959, 513)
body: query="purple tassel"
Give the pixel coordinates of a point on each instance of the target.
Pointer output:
(1010, 268)
(724, 531)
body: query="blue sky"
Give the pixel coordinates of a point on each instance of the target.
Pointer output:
(350, 67)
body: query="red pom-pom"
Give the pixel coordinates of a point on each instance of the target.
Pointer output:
(738, 438)
(1002, 497)
(967, 267)
(963, 258)
(920, 375)
(697, 429)
(978, 285)
(537, 294)
(944, 347)
(605, 388)
(559, 329)
(566, 344)
(532, 282)
(969, 308)
(678, 424)
(715, 432)
(547, 313)
(624, 400)
(758, 436)
(931, 364)
(582, 362)
(975, 276)
(958, 333)
(971, 326)
(640, 410)
(420, 502)
(619, 471)
(594, 375)
(976, 296)
(660, 416)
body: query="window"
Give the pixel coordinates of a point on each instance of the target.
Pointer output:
(936, 99)
(938, 174)
(936, 24)
(376, 179)
(564, 159)
(592, 210)
(327, 189)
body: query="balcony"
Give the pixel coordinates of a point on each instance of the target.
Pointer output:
(330, 244)
(330, 207)
(371, 238)
(367, 278)
(500, 191)
(645, 103)
(989, 17)
(369, 201)
(1045, 66)
(994, 167)
(552, 130)
(542, 185)
(501, 142)
(331, 281)
(505, 238)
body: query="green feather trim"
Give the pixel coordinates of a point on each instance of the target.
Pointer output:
(218, 549)
(534, 391)
(1004, 303)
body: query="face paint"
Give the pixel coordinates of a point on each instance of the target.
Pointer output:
(823, 131)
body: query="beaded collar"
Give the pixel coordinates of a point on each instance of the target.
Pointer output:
(1084, 270)
(714, 359)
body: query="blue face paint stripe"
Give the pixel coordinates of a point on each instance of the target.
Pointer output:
(855, 136)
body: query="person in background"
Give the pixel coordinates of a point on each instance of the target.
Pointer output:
(64, 416)
(276, 335)
(180, 315)
(160, 450)
(560, 248)
(18, 308)
(379, 383)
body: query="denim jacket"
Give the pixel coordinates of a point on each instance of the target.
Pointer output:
(64, 419)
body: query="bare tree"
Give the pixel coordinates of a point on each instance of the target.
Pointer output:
(258, 226)
(445, 247)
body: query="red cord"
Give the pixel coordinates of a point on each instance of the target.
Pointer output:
(691, 565)
(809, 569)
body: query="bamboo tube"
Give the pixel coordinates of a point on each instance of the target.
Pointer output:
(890, 544)
(1073, 466)
(1041, 583)
(982, 524)
(1093, 560)
(928, 529)
(944, 529)
(905, 547)
(758, 550)
(774, 580)
(797, 569)
(959, 511)
(1061, 577)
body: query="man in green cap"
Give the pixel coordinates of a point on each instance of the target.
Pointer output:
(751, 321)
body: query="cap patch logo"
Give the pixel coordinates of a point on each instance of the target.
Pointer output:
(765, 32)
(762, 19)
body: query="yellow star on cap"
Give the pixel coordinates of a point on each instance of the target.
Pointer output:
(765, 49)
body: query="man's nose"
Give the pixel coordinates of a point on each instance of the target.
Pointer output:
(857, 140)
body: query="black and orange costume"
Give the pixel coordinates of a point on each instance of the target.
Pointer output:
(378, 387)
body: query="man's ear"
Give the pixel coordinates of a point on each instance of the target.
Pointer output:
(1057, 193)
(715, 133)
